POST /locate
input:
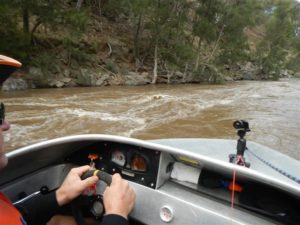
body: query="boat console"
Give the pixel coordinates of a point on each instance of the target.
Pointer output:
(175, 180)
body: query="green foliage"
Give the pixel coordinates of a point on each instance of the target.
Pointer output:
(280, 41)
(207, 20)
(19, 20)
(234, 42)
(76, 20)
(180, 35)
(12, 42)
(112, 67)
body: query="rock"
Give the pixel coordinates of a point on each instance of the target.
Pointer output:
(85, 78)
(89, 77)
(178, 74)
(133, 79)
(286, 73)
(249, 71)
(228, 78)
(59, 84)
(116, 80)
(66, 79)
(56, 83)
(102, 80)
(12, 84)
(297, 74)
(145, 74)
(67, 72)
(35, 73)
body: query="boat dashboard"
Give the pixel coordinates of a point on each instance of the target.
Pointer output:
(172, 185)
(134, 163)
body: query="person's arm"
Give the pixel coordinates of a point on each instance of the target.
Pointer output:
(41, 207)
(119, 199)
(113, 219)
(38, 209)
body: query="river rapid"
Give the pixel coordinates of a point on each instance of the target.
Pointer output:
(159, 111)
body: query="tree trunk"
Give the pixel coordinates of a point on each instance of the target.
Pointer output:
(185, 72)
(154, 79)
(216, 44)
(33, 30)
(157, 31)
(198, 55)
(136, 42)
(79, 4)
(25, 19)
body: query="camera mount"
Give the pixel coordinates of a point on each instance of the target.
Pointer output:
(242, 128)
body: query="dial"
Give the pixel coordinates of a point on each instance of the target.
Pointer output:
(118, 158)
(139, 163)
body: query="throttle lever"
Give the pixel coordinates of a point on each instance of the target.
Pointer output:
(96, 207)
(100, 174)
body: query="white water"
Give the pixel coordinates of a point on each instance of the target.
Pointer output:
(161, 111)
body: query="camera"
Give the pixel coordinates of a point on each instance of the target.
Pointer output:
(241, 125)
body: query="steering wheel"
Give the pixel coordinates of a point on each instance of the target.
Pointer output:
(92, 202)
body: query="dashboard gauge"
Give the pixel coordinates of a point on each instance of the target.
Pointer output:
(139, 163)
(118, 158)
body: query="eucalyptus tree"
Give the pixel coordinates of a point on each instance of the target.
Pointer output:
(138, 14)
(239, 16)
(52, 15)
(168, 29)
(206, 26)
(281, 36)
(10, 38)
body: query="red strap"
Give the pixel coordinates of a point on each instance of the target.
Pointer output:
(9, 215)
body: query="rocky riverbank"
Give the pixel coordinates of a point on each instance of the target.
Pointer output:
(59, 77)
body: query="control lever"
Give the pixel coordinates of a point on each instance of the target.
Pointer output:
(94, 203)
(100, 174)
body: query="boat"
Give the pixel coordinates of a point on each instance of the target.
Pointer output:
(177, 181)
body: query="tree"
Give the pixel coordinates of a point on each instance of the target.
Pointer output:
(206, 25)
(280, 37)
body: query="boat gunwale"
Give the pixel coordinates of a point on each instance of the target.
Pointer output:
(241, 171)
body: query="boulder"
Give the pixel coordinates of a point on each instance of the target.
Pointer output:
(89, 77)
(297, 74)
(134, 79)
(12, 84)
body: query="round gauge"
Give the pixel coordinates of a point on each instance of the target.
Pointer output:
(118, 158)
(139, 163)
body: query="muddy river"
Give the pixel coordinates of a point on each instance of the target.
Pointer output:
(159, 111)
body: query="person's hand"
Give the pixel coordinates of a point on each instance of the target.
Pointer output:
(119, 197)
(73, 186)
(3, 159)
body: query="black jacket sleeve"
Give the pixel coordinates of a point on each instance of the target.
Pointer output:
(113, 219)
(40, 208)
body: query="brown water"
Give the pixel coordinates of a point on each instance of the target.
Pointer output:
(160, 111)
